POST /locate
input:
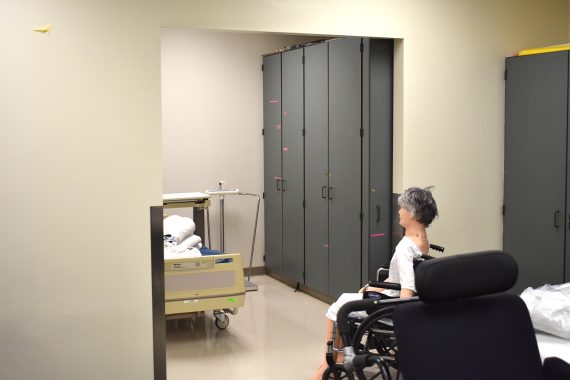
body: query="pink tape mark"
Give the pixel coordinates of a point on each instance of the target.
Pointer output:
(285, 149)
(277, 177)
(377, 235)
(273, 101)
(278, 126)
(285, 113)
(325, 245)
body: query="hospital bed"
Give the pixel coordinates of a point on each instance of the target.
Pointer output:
(206, 283)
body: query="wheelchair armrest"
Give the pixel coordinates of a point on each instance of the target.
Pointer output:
(385, 285)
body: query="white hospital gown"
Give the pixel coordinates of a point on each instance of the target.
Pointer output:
(401, 272)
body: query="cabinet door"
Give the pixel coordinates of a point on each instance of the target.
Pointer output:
(345, 93)
(316, 167)
(535, 166)
(292, 189)
(380, 166)
(567, 215)
(272, 161)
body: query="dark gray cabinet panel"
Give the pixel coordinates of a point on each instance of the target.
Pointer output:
(535, 167)
(345, 99)
(272, 162)
(316, 169)
(380, 154)
(566, 225)
(292, 156)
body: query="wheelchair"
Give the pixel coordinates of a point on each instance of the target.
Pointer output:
(367, 333)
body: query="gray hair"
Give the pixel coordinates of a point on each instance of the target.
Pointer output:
(420, 203)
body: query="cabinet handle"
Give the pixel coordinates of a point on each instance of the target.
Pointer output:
(331, 195)
(324, 192)
(278, 182)
(377, 213)
(283, 185)
(556, 216)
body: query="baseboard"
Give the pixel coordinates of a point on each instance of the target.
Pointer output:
(297, 286)
(316, 294)
(255, 271)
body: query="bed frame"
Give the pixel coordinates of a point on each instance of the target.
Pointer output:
(207, 283)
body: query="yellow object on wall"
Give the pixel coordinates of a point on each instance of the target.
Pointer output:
(43, 29)
(546, 49)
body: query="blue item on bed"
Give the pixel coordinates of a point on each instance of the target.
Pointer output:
(211, 252)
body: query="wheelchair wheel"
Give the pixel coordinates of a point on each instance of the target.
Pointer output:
(375, 335)
(337, 373)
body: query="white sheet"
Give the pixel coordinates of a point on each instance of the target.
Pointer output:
(551, 345)
(170, 253)
(549, 308)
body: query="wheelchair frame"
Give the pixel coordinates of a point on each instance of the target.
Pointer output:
(375, 332)
(356, 355)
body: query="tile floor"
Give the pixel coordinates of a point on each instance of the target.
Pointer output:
(276, 335)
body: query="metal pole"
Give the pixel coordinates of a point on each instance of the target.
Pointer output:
(222, 223)
(254, 231)
(209, 235)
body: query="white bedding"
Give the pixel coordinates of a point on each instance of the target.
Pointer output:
(170, 253)
(551, 345)
(179, 239)
(178, 227)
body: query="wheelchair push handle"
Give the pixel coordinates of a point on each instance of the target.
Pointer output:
(438, 248)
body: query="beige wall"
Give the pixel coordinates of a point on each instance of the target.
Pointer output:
(80, 162)
(449, 96)
(212, 116)
(80, 149)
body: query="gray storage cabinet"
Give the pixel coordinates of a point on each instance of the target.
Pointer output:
(316, 171)
(377, 154)
(273, 180)
(292, 158)
(345, 172)
(536, 204)
(331, 111)
(283, 163)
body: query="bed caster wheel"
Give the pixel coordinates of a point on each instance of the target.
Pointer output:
(222, 321)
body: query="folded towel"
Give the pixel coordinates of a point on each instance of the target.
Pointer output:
(192, 241)
(177, 228)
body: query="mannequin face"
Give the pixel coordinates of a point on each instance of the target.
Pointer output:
(405, 217)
